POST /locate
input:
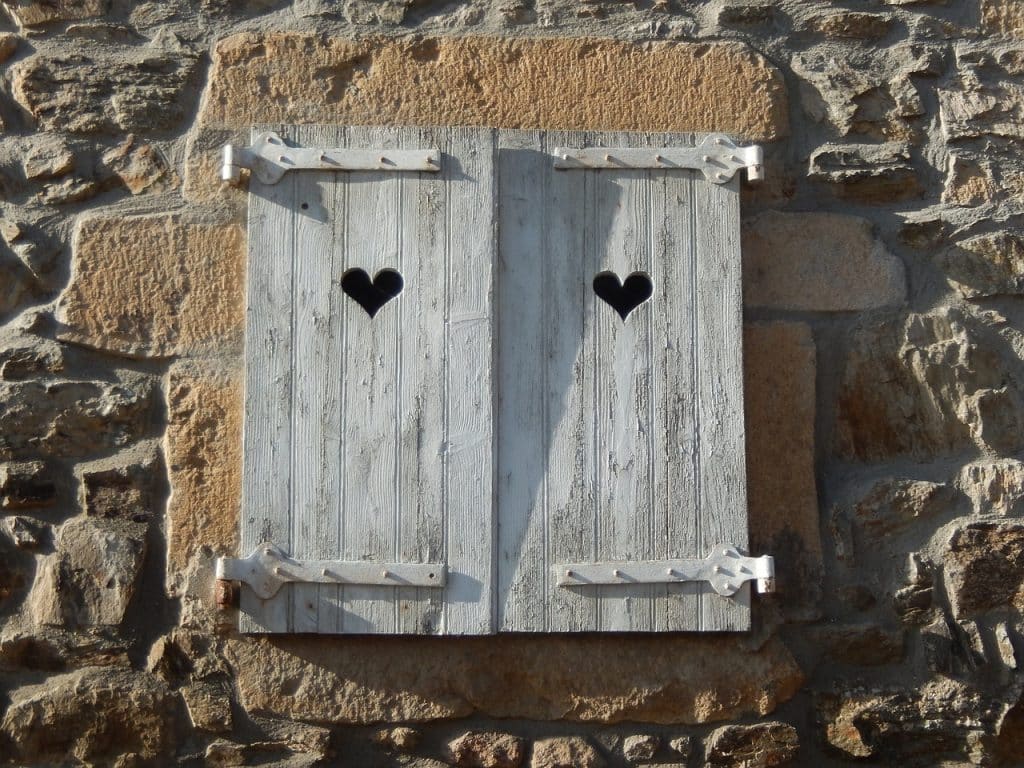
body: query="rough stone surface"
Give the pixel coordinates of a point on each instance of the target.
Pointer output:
(91, 577)
(154, 285)
(893, 504)
(71, 418)
(579, 679)
(818, 261)
(779, 387)
(92, 716)
(1002, 17)
(567, 752)
(205, 461)
(986, 265)
(79, 93)
(115, 491)
(866, 172)
(922, 385)
(512, 83)
(640, 747)
(26, 484)
(31, 13)
(752, 746)
(482, 749)
(984, 568)
(139, 167)
(209, 706)
(994, 487)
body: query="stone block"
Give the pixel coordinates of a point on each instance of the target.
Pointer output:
(893, 504)
(144, 88)
(984, 568)
(586, 678)
(986, 265)
(209, 706)
(565, 752)
(782, 494)
(73, 419)
(868, 173)
(995, 487)
(26, 484)
(92, 716)
(752, 746)
(92, 576)
(154, 286)
(114, 490)
(1003, 17)
(922, 385)
(554, 83)
(204, 457)
(486, 749)
(34, 13)
(818, 261)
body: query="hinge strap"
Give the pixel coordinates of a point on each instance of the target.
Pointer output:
(725, 569)
(270, 158)
(268, 568)
(717, 157)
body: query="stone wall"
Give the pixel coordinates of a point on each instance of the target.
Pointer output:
(883, 274)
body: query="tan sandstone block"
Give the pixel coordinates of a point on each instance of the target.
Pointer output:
(154, 285)
(32, 13)
(1003, 17)
(655, 679)
(827, 262)
(204, 457)
(554, 83)
(782, 494)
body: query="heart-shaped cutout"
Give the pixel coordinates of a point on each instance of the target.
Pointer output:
(626, 296)
(371, 295)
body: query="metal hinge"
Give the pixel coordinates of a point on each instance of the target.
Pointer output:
(725, 569)
(717, 157)
(269, 158)
(268, 568)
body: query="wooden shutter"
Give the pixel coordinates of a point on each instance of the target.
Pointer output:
(616, 441)
(498, 439)
(369, 439)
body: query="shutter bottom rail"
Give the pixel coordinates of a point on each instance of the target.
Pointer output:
(725, 569)
(268, 568)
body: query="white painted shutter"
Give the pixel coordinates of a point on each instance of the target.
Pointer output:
(369, 439)
(617, 441)
(502, 438)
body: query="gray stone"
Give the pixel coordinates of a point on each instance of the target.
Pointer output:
(640, 748)
(8, 45)
(25, 532)
(48, 159)
(92, 716)
(72, 418)
(27, 357)
(143, 89)
(866, 644)
(486, 749)
(565, 752)
(73, 189)
(866, 172)
(681, 745)
(92, 576)
(893, 504)
(752, 746)
(400, 739)
(25, 485)
(113, 491)
(986, 265)
(209, 706)
(923, 385)
(984, 568)
(818, 261)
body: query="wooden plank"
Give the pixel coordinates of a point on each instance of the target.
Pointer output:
(266, 441)
(371, 365)
(675, 364)
(621, 362)
(569, 510)
(468, 445)
(719, 344)
(316, 383)
(420, 523)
